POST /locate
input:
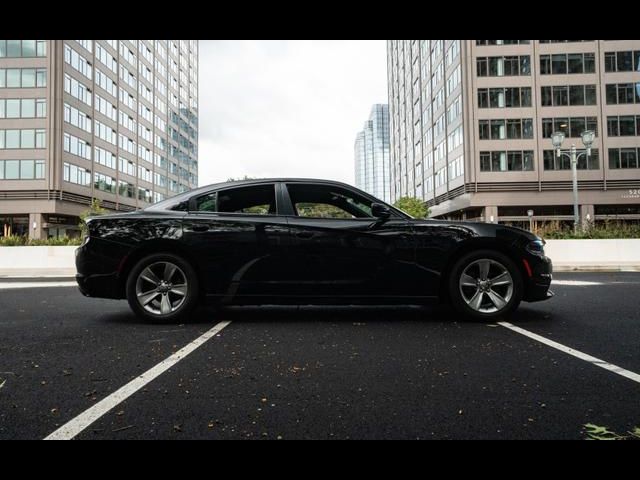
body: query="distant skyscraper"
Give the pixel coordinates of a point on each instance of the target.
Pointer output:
(372, 154)
(471, 124)
(115, 120)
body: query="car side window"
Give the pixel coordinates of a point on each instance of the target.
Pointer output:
(255, 200)
(327, 201)
(206, 203)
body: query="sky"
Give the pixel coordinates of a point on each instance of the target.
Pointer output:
(276, 108)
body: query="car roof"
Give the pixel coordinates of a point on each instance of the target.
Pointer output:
(170, 202)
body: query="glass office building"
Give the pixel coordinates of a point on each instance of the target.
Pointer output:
(471, 121)
(115, 120)
(372, 154)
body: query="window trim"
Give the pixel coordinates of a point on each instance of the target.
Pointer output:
(191, 207)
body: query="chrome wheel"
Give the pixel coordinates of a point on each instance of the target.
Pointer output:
(486, 286)
(161, 288)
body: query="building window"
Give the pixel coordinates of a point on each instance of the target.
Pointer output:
(571, 126)
(500, 129)
(626, 61)
(562, 64)
(78, 175)
(623, 93)
(21, 169)
(504, 97)
(503, 42)
(568, 95)
(23, 48)
(623, 158)
(503, 66)
(553, 162)
(506, 161)
(27, 138)
(23, 77)
(623, 126)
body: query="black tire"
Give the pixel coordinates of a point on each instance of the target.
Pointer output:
(184, 271)
(456, 291)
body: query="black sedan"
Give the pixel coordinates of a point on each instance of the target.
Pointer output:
(298, 241)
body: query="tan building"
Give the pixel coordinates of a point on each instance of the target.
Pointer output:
(115, 120)
(471, 120)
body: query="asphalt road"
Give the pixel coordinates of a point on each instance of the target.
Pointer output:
(323, 373)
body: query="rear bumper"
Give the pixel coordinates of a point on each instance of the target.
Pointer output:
(97, 273)
(99, 285)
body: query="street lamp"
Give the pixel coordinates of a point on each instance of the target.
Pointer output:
(588, 136)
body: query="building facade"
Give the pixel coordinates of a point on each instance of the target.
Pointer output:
(115, 120)
(471, 122)
(372, 154)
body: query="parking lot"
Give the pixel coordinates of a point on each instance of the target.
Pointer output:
(321, 373)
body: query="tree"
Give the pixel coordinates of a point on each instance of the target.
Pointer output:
(94, 210)
(413, 206)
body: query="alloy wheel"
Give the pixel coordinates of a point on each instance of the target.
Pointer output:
(161, 288)
(486, 286)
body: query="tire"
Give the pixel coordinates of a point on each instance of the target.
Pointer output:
(481, 299)
(167, 283)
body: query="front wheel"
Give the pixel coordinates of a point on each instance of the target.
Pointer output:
(485, 284)
(162, 288)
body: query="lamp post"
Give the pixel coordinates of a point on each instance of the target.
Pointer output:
(588, 136)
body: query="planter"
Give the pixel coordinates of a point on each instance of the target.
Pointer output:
(608, 254)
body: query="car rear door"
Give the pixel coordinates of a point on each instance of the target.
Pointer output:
(240, 241)
(339, 255)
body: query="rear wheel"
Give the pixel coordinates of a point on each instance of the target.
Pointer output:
(485, 284)
(162, 288)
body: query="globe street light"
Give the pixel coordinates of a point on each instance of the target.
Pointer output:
(588, 136)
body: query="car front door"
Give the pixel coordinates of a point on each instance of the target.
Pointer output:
(339, 250)
(239, 240)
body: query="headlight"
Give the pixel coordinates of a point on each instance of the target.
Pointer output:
(85, 240)
(536, 247)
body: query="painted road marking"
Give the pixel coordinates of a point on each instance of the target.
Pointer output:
(13, 285)
(82, 421)
(576, 353)
(574, 283)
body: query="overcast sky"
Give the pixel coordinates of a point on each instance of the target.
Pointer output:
(285, 108)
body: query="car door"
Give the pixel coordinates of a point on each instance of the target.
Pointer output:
(239, 240)
(339, 250)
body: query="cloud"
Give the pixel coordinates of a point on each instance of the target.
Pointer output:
(285, 108)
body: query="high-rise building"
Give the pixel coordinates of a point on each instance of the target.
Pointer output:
(471, 122)
(115, 120)
(372, 154)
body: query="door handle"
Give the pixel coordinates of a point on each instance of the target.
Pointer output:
(200, 228)
(305, 234)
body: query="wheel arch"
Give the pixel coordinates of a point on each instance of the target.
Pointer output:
(474, 244)
(154, 247)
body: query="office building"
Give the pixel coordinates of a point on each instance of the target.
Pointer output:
(115, 120)
(471, 121)
(372, 154)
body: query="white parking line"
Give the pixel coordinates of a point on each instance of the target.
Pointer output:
(12, 285)
(576, 353)
(575, 283)
(82, 421)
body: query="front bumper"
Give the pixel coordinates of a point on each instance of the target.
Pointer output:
(540, 280)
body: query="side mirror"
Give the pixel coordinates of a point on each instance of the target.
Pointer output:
(380, 211)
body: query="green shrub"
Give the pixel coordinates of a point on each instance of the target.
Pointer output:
(20, 241)
(413, 206)
(605, 230)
